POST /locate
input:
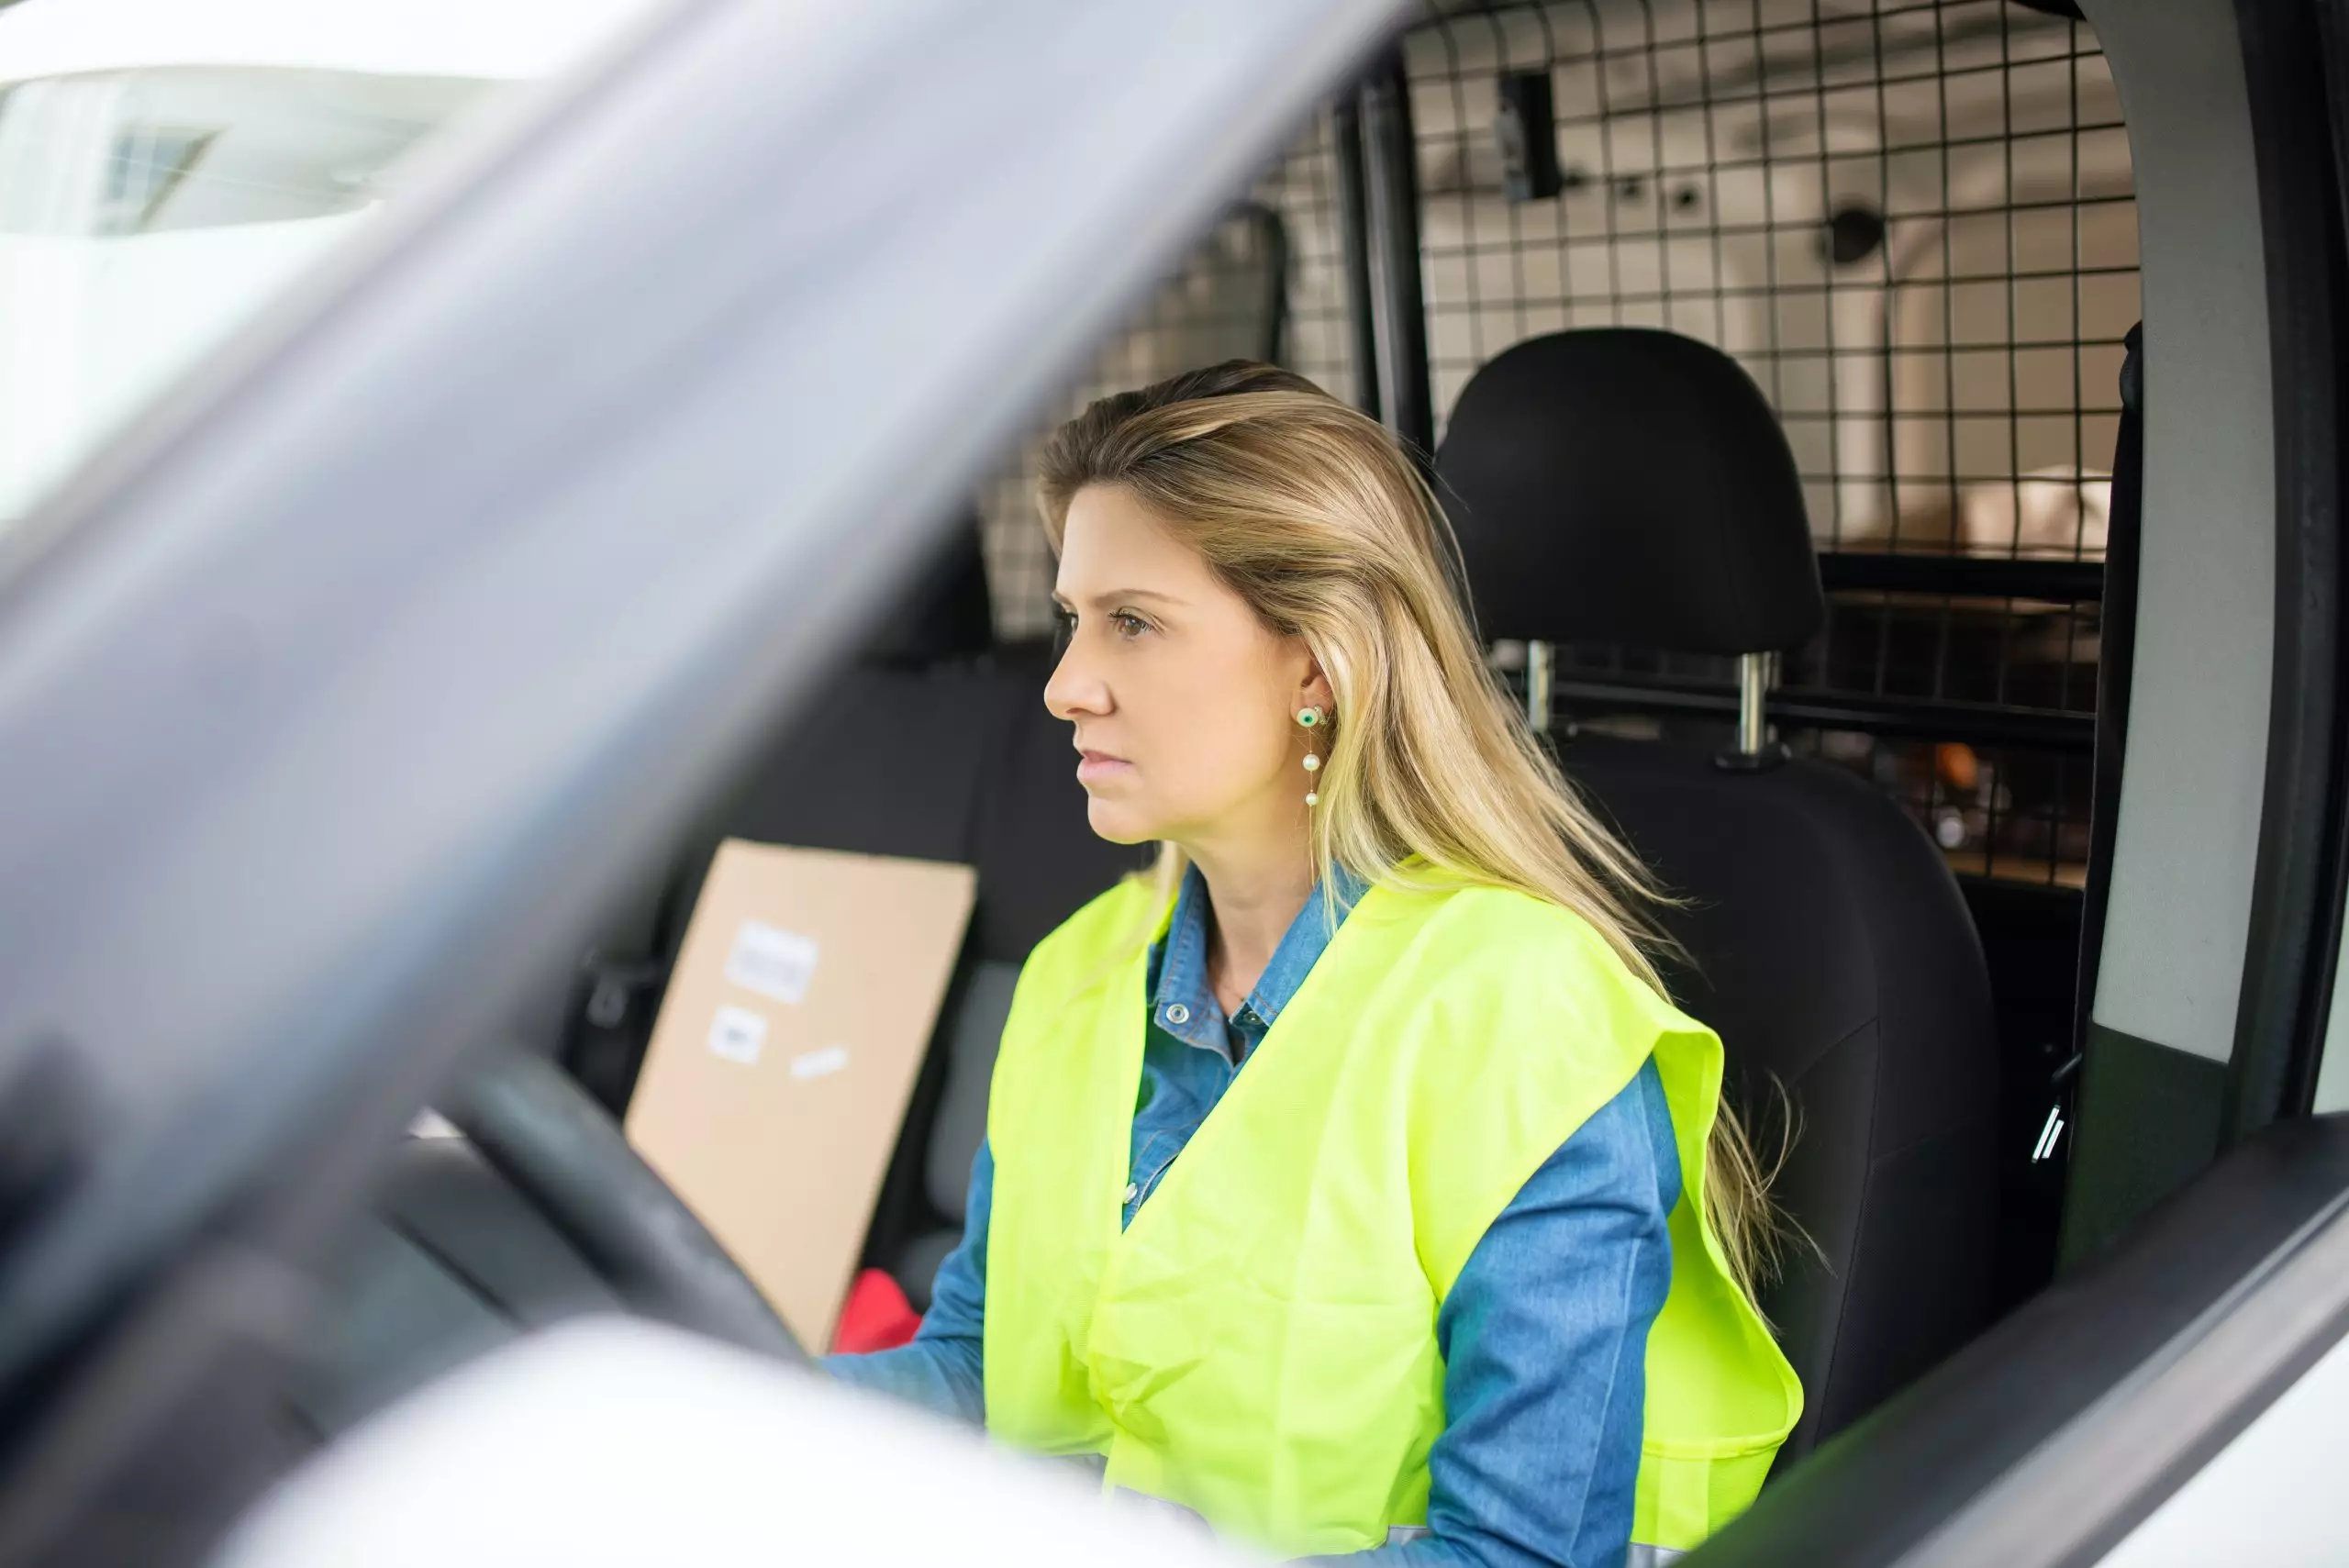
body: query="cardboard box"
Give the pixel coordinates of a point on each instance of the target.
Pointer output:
(805, 994)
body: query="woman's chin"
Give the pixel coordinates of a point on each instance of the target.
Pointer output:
(1117, 822)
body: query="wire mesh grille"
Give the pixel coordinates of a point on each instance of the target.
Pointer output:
(1914, 225)
(1268, 284)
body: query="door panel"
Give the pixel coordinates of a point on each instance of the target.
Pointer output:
(2053, 1436)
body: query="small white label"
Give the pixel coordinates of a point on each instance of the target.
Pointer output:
(819, 1063)
(737, 1034)
(771, 960)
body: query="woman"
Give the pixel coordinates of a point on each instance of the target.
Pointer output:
(1350, 1182)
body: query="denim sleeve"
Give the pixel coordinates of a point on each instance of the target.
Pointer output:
(1544, 1339)
(941, 1370)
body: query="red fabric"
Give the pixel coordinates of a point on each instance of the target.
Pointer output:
(877, 1318)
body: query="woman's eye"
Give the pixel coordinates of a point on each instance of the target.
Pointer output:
(1126, 624)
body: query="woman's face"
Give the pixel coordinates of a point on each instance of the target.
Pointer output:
(1185, 703)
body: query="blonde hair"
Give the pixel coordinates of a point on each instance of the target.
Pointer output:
(1315, 515)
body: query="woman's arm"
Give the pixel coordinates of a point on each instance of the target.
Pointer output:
(1544, 1339)
(942, 1369)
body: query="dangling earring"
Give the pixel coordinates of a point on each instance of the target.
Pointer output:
(1310, 717)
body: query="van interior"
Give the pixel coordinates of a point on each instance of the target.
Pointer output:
(1789, 372)
(1880, 266)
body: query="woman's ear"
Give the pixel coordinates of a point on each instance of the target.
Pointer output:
(1317, 691)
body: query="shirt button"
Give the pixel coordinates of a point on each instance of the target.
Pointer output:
(1133, 1191)
(1178, 1014)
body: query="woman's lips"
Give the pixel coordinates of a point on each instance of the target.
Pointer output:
(1092, 765)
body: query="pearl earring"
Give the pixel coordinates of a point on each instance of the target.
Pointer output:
(1310, 717)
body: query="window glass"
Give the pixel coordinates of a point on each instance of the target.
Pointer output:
(167, 167)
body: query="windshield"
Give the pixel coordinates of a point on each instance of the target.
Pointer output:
(167, 167)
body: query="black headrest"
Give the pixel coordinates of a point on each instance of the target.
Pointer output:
(943, 610)
(1625, 485)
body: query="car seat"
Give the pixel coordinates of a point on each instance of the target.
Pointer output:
(1632, 487)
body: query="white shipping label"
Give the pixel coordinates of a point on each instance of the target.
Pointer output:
(771, 960)
(819, 1063)
(737, 1034)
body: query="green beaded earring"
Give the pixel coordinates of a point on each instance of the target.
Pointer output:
(1310, 717)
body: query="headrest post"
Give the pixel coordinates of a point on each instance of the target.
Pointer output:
(1537, 686)
(1755, 750)
(1752, 697)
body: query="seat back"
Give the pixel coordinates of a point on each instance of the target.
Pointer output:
(933, 744)
(1633, 486)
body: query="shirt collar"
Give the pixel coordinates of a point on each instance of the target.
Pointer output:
(1183, 1003)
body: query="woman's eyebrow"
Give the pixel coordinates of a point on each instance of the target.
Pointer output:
(1120, 595)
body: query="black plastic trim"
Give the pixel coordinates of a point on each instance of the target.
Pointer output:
(1353, 246)
(2297, 890)
(1926, 718)
(1962, 576)
(1272, 233)
(1390, 147)
(2147, 1124)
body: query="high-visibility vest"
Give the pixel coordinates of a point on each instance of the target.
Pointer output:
(1259, 1347)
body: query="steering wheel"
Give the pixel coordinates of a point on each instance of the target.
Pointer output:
(564, 1154)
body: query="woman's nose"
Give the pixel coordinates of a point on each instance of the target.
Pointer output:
(1073, 692)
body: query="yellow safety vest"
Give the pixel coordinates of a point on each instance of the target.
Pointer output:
(1260, 1346)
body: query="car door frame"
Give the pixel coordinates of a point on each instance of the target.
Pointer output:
(340, 691)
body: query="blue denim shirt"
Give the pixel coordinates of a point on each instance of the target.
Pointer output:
(1543, 1335)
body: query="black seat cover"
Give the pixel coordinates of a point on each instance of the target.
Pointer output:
(1592, 474)
(1631, 487)
(945, 609)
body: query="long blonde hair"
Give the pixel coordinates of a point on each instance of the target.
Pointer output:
(1315, 515)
